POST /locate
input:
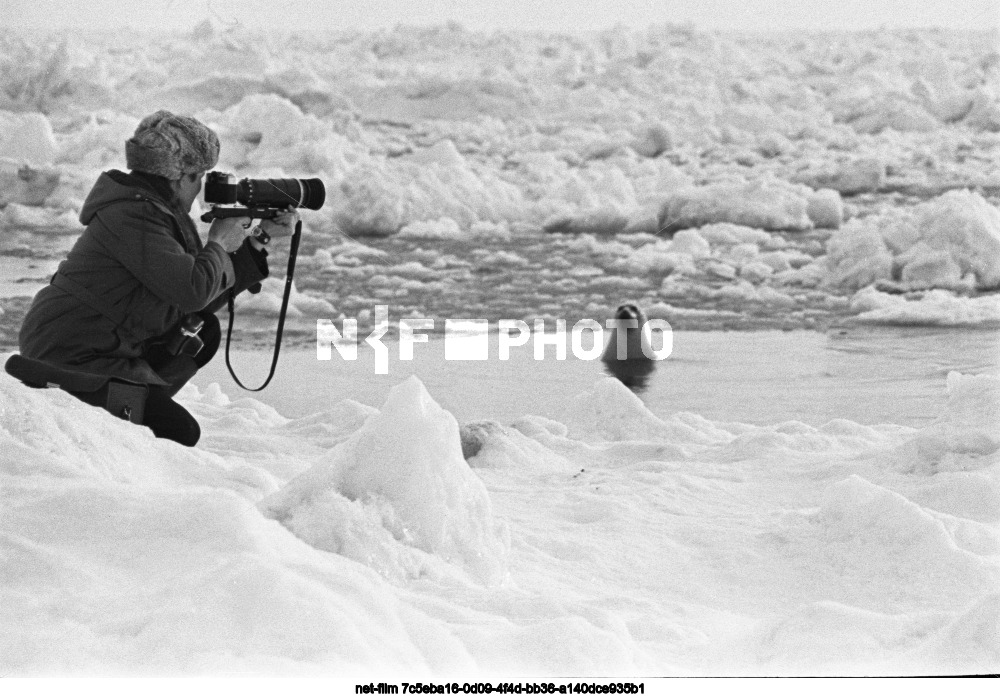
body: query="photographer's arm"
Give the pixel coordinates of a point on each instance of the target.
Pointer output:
(251, 268)
(250, 260)
(144, 243)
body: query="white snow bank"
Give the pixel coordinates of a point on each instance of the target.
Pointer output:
(858, 516)
(398, 495)
(639, 544)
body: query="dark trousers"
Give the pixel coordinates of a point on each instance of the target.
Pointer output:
(168, 419)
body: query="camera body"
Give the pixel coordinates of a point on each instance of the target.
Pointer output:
(259, 198)
(185, 339)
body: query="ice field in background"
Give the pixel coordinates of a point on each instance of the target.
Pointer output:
(799, 167)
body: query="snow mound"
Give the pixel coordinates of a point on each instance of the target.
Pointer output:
(971, 642)
(50, 433)
(837, 639)
(875, 534)
(154, 575)
(609, 411)
(398, 496)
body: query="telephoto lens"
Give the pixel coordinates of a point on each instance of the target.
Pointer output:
(279, 193)
(223, 188)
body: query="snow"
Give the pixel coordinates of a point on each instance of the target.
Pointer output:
(397, 487)
(359, 539)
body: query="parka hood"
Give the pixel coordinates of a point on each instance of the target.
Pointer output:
(113, 186)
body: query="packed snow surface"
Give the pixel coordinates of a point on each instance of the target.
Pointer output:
(609, 541)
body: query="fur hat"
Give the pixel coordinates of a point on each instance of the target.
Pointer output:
(170, 146)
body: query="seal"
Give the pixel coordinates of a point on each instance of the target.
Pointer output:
(628, 363)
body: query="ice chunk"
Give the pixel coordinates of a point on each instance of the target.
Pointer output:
(268, 301)
(442, 153)
(925, 267)
(966, 437)
(689, 242)
(440, 229)
(97, 142)
(730, 234)
(771, 205)
(985, 111)
(825, 208)
(861, 174)
(28, 138)
(39, 218)
(937, 307)
(756, 271)
(22, 184)
(857, 256)
(604, 222)
(398, 495)
(654, 139)
(968, 228)
(896, 114)
(267, 131)
(960, 224)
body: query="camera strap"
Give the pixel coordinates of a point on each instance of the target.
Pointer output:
(289, 274)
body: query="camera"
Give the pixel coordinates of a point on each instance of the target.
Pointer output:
(259, 198)
(185, 339)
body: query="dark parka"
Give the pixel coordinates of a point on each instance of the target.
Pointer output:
(141, 255)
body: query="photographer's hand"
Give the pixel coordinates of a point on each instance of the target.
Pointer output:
(228, 232)
(282, 225)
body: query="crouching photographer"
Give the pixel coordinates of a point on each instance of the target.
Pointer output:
(129, 316)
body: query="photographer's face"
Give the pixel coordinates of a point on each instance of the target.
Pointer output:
(188, 188)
